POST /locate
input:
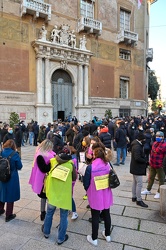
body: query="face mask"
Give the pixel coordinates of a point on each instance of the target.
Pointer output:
(141, 129)
(60, 133)
(158, 139)
(10, 131)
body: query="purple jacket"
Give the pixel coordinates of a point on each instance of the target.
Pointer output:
(37, 177)
(99, 199)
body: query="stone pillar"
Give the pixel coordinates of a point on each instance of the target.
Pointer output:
(86, 96)
(163, 200)
(80, 85)
(39, 75)
(47, 82)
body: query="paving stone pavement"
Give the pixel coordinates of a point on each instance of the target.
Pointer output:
(133, 227)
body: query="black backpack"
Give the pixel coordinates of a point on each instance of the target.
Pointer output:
(5, 167)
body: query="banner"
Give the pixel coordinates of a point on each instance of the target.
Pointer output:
(139, 4)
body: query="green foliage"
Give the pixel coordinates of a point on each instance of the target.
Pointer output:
(108, 114)
(13, 119)
(155, 105)
(153, 85)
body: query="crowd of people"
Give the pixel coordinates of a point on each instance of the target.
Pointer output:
(67, 151)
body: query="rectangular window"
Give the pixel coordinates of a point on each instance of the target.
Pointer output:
(124, 112)
(123, 92)
(125, 54)
(124, 19)
(87, 8)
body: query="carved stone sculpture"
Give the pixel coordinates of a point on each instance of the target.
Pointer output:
(72, 39)
(43, 33)
(83, 43)
(63, 36)
(55, 38)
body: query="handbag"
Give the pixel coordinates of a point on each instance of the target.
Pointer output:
(113, 179)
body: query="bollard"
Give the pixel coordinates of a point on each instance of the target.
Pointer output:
(163, 201)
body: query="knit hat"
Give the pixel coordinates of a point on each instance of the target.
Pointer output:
(160, 133)
(64, 155)
(151, 130)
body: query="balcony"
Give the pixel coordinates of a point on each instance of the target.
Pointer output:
(90, 25)
(37, 8)
(127, 37)
(149, 55)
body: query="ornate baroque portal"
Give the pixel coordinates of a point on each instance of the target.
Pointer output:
(61, 72)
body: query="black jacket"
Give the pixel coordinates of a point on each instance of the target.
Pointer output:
(138, 161)
(9, 136)
(105, 138)
(58, 143)
(77, 143)
(120, 137)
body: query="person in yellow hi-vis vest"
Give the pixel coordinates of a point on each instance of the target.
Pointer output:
(58, 187)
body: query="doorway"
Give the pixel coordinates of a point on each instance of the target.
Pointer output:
(61, 115)
(62, 94)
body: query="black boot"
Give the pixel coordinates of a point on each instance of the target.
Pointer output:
(141, 204)
(42, 215)
(10, 217)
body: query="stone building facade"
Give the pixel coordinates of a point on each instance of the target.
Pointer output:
(78, 57)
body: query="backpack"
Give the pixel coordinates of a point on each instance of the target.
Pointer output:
(5, 167)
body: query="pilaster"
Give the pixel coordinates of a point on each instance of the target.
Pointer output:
(80, 85)
(40, 94)
(86, 95)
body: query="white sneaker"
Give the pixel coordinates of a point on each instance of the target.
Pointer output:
(74, 216)
(93, 242)
(107, 238)
(145, 192)
(157, 196)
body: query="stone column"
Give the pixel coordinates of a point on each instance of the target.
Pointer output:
(39, 80)
(47, 82)
(86, 96)
(163, 200)
(80, 85)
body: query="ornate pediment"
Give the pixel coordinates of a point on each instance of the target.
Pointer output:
(61, 46)
(62, 36)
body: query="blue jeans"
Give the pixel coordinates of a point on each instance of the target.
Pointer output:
(31, 135)
(73, 206)
(63, 222)
(119, 152)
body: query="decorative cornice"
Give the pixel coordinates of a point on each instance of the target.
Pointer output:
(57, 52)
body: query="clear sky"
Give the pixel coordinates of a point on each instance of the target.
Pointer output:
(157, 41)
